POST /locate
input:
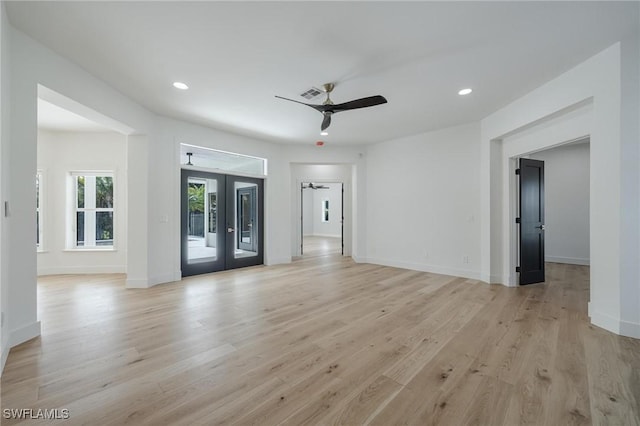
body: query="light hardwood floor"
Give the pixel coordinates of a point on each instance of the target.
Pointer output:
(321, 246)
(324, 341)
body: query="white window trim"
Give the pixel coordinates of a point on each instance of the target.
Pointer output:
(72, 196)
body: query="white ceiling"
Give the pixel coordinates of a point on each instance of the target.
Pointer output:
(52, 117)
(236, 56)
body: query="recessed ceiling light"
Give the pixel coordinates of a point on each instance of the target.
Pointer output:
(465, 92)
(324, 133)
(180, 85)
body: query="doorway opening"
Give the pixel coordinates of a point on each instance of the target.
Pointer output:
(321, 218)
(564, 229)
(81, 189)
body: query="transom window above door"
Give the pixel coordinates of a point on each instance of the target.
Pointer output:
(230, 162)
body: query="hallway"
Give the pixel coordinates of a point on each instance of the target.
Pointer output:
(321, 246)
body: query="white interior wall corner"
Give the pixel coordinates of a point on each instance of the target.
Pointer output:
(630, 181)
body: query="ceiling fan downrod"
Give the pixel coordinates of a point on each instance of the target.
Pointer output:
(328, 87)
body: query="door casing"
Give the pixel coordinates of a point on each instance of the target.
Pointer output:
(342, 212)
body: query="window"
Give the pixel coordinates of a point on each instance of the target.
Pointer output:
(325, 210)
(39, 182)
(200, 156)
(93, 210)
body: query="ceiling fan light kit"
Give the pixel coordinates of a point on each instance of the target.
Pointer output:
(328, 108)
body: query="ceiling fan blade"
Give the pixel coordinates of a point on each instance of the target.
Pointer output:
(359, 103)
(328, 108)
(326, 121)
(320, 108)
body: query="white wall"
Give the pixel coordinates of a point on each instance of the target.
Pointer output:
(58, 154)
(137, 211)
(30, 65)
(4, 187)
(281, 192)
(566, 184)
(423, 202)
(164, 242)
(630, 182)
(331, 228)
(597, 85)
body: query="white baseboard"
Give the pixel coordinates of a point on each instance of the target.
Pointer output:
(277, 261)
(23, 334)
(614, 325)
(498, 279)
(139, 283)
(359, 259)
(436, 269)
(5, 355)
(16, 337)
(505, 280)
(569, 260)
(64, 270)
(630, 329)
(165, 278)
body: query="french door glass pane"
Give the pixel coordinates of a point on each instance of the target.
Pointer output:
(246, 219)
(202, 220)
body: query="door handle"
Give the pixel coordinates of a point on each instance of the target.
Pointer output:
(230, 230)
(541, 227)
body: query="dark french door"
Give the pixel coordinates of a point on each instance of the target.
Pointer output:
(222, 223)
(531, 221)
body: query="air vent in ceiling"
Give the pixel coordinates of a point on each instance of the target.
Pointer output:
(311, 93)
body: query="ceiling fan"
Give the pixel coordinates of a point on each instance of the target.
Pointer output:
(312, 185)
(328, 108)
